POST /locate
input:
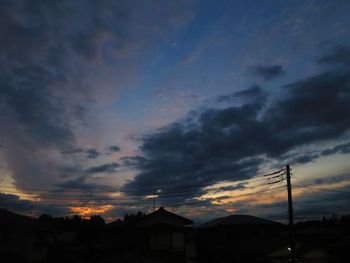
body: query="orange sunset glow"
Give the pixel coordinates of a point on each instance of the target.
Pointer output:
(88, 211)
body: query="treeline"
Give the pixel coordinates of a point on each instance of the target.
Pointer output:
(330, 221)
(75, 222)
(71, 223)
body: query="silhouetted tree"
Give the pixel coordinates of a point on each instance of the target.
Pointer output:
(133, 219)
(45, 218)
(97, 220)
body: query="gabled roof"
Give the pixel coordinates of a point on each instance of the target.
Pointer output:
(9, 218)
(238, 220)
(115, 224)
(162, 216)
(16, 221)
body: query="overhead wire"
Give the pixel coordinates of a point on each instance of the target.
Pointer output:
(92, 196)
(132, 200)
(151, 189)
(302, 185)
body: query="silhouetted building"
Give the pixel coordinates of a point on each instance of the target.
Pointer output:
(242, 238)
(165, 230)
(23, 239)
(165, 235)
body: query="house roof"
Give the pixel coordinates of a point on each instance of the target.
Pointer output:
(238, 220)
(9, 219)
(116, 224)
(162, 216)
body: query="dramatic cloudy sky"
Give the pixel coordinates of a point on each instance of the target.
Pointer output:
(105, 105)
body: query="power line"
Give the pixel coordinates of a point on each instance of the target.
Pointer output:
(323, 189)
(282, 170)
(151, 189)
(91, 196)
(253, 193)
(104, 198)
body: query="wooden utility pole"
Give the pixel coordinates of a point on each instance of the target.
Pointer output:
(290, 213)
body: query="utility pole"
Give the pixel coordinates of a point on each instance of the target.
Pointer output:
(290, 213)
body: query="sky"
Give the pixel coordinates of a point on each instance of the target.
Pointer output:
(113, 107)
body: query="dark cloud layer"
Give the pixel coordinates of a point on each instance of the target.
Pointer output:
(104, 168)
(231, 143)
(14, 203)
(254, 93)
(47, 53)
(81, 183)
(92, 153)
(113, 149)
(339, 56)
(341, 148)
(267, 72)
(43, 45)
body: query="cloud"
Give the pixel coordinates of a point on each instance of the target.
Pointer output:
(339, 56)
(72, 151)
(267, 72)
(331, 180)
(132, 161)
(81, 183)
(104, 168)
(113, 149)
(306, 158)
(231, 143)
(239, 186)
(92, 153)
(47, 86)
(14, 204)
(341, 148)
(254, 93)
(38, 70)
(308, 204)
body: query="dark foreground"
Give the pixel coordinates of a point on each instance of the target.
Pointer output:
(165, 237)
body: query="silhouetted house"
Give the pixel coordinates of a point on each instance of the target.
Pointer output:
(165, 230)
(22, 239)
(237, 237)
(116, 236)
(163, 237)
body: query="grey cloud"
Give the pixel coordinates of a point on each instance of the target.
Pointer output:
(323, 203)
(231, 143)
(308, 205)
(48, 47)
(331, 179)
(42, 100)
(239, 186)
(81, 183)
(14, 204)
(267, 72)
(339, 56)
(113, 149)
(132, 161)
(299, 158)
(305, 158)
(254, 93)
(314, 109)
(104, 168)
(92, 153)
(72, 151)
(341, 148)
